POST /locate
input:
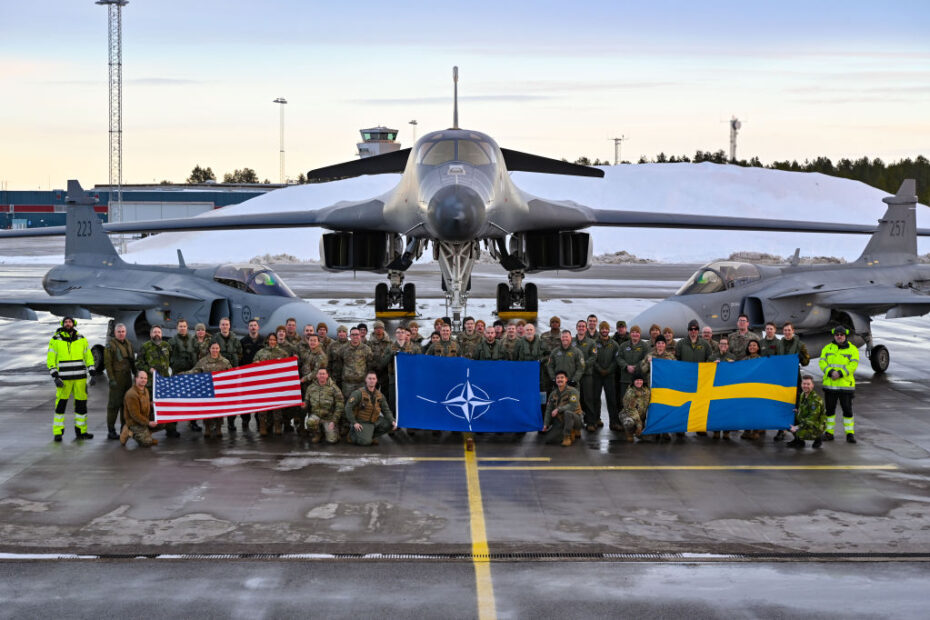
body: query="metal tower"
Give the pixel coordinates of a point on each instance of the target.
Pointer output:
(282, 101)
(617, 142)
(115, 48)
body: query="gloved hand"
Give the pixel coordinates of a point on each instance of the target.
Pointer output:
(58, 382)
(93, 377)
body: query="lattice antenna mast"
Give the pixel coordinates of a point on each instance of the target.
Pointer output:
(115, 49)
(282, 101)
(617, 143)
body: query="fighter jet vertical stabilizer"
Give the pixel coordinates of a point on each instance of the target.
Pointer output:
(86, 243)
(895, 241)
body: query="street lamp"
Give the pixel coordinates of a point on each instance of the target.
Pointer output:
(414, 124)
(282, 101)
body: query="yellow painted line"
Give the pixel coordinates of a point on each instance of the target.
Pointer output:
(690, 468)
(460, 459)
(479, 542)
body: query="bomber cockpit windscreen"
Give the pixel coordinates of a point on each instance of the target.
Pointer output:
(469, 148)
(720, 276)
(256, 279)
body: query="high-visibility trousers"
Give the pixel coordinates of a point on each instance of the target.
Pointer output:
(79, 388)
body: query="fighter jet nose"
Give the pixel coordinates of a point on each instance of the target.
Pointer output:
(456, 213)
(666, 313)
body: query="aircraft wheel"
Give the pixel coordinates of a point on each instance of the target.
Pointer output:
(410, 297)
(381, 297)
(532, 297)
(97, 352)
(503, 297)
(880, 358)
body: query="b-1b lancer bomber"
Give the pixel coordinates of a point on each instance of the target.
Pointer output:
(455, 192)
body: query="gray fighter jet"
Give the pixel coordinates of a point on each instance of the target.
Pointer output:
(95, 280)
(456, 193)
(887, 279)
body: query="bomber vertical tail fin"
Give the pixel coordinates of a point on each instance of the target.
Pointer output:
(86, 243)
(895, 241)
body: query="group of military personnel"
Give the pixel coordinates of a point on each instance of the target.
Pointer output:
(348, 382)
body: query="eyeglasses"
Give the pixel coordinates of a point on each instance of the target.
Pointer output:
(693, 329)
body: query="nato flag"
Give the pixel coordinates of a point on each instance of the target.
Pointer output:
(458, 394)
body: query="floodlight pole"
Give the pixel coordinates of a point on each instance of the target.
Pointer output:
(617, 142)
(282, 101)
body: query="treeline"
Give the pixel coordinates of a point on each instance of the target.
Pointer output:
(874, 172)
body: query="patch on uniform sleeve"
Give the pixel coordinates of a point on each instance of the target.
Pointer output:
(573, 398)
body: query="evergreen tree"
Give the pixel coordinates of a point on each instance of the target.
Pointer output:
(246, 175)
(201, 175)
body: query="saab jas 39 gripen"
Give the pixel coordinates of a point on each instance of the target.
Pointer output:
(94, 279)
(886, 279)
(455, 192)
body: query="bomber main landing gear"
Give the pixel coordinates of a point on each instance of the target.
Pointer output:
(879, 358)
(517, 300)
(397, 300)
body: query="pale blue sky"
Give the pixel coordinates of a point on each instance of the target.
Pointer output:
(833, 78)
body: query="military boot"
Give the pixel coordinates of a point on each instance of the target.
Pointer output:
(817, 443)
(278, 428)
(629, 437)
(795, 443)
(780, 435)
(316, 438)
(716, 434)
(263, 426)
(567, 441)
(112, 434)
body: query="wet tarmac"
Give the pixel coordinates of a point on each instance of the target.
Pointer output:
(708, 528)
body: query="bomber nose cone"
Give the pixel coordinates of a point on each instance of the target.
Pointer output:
(666, 313)
(305, 313)
(456, 213)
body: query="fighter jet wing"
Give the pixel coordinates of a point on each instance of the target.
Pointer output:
(872, 297)
(346, 215)
(80, 302)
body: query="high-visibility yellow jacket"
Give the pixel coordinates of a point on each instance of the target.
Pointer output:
(69, 355)
(843, 359)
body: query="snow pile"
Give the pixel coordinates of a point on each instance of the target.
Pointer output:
(705, 188)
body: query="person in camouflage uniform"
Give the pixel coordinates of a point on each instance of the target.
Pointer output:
(635, 405)
(274, 418)
(605, 366)
(645, 367)
(368, 413)
(415, 338)
(446, 347)
(202, 340)
(567, 358)
(532, 349)
(356, 362)
(708, 335)
(741, 337)
(137, 407)
(792, 345)
(120, 362)
(324, 404)
(562, 420)
(401, 344)
(311, 358)
(585, 344)
(723, 355)
(379, 343)
(671, 344)
(552, 338)
(469, 340)
(184, 354)
(335, 354)
(290, 333)
(811, 417)
(252, 343)
(508, 346)
(631, 354)
(213, 362)
(488, 348)
(753, 352)
(322, 330)
(231, 349)
(155, 356)
(283, 343)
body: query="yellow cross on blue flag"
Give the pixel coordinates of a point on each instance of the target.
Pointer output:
(751, 394)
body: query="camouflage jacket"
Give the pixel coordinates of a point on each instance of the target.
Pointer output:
(448, 348)
(326, 343)
(562, 403)
(637, 401)
(551, 341)
(811, 418)
(571, 360)
(157, 356)
(469, 345)
(325, 401)
(208, 364)
(270, 353)
(230, 347)
(311, 360)
(507, 349)
(367, 407)
(203, 347)
(184, 352)
(356, 362)
(378, 350)
(288, 347)
(645, 366)
(738, 343)
(392, 352)
(119, 360)
(714, 347)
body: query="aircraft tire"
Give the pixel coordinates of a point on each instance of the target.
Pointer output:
(503, 297)
(410, 297)
(880, 358)
(532, 297)
(97, 352)
(381, 297)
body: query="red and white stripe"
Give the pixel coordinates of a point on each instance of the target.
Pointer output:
(271, 384)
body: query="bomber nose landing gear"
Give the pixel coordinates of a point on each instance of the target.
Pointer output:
(397, 300)
(517, 300)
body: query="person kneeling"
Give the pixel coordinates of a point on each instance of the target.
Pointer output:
(635, 404)
(562, 421)
(811, 416)
(136, 408)
(368, 413)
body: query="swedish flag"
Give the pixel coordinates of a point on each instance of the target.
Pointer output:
(751, 394)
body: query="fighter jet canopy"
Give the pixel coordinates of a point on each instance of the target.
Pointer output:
(719, 276)
(256, 279)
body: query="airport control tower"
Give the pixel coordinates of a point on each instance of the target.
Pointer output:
(377, 141)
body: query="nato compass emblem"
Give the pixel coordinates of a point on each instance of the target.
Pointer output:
(466, 401)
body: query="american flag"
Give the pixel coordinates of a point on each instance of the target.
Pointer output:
(271, 384)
